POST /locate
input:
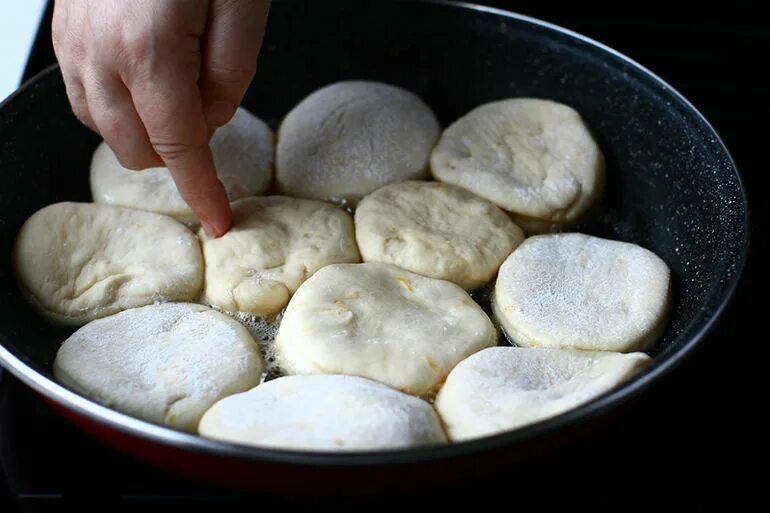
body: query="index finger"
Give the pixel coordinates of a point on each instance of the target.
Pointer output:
(170, 108)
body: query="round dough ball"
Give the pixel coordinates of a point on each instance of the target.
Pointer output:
(348, 139)
(381, 322)
(76, 262)
(534, 158)
(243, 155)
(436, 230)
(165, 363)
(502, 388)
(582, 292)
(275, 244)
(338, 413)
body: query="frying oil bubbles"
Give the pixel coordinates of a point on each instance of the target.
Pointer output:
(264, 331)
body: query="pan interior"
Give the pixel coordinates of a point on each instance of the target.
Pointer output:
(671, 185)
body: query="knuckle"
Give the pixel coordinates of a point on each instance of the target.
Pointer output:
(82, 116)
(110, 129)
(67, 46)
(80, 110)
(232, 76)
(171, 151)
(135, 48)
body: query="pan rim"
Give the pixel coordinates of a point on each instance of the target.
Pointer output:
(161, 435)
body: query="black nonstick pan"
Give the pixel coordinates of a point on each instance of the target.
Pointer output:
(671, 187)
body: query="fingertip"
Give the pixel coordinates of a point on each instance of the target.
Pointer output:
(220, 225)
(218, 112)
(139, 162)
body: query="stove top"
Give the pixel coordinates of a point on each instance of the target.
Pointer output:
(695, 426)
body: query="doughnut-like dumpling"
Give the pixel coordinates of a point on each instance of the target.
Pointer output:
(76, 262)
(534, 158)
(165, 363)
(381, 322)
(275, 244)
(349, 138)
(502, 388)
(437, 230)
(576, 291)
(330, 413)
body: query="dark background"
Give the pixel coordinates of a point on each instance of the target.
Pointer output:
(697, 438)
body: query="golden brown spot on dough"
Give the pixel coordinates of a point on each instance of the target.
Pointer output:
(339, 302)
(433, 365)
(406, 284)
(338, 442)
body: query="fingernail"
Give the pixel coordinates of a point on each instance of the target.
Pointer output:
(223, 223)
(208, 229)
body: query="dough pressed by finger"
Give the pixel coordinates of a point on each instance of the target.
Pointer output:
(503, 388)
(534, 158)
(76, 262)
(436, 230)
(381, 322)
(329, 413)
(349, 138)
(243, 156)
(165, 363)
(582, 292)
(275, 244)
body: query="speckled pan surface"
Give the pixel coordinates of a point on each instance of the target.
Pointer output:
(671, 185)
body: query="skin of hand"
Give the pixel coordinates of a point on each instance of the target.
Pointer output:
(156, 78)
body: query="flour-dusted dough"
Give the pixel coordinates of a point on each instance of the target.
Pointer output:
(383, 323)
(582, 292)
(76, 262)
(165, 363)
(502, 388)
(329, 413)
(275, 244)
(534, 158)
(350, 138)
(436, 230)
(243, 155)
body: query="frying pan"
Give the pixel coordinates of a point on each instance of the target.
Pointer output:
(672, 187)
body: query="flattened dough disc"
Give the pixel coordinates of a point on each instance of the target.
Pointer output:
(437, 230)
(502, 388)
(534, 158)
(275, 244)
(576, 291)
(349, 138)
(76, 262)
(165, 363)
(337, 413)
(381, 322)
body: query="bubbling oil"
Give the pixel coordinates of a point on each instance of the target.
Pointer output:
(264, 330)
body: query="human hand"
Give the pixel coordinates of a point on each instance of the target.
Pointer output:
(156, 77)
